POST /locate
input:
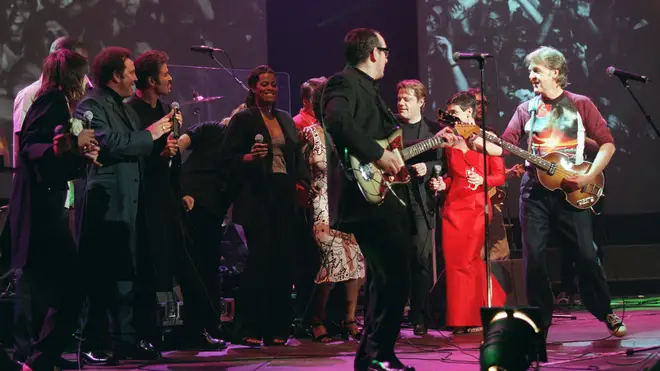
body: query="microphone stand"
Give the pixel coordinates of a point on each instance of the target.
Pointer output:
(489, 288)
(228, 71)
(624, 81)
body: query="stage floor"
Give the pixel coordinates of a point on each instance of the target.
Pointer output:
(580, 344)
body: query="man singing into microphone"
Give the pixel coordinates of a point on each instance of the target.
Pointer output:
(421, 205)
(112, 222)
(165, 205)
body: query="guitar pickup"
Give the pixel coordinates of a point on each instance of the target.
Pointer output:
(552, 169)
(592, 189)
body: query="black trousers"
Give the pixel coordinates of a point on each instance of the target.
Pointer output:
(198, 270)
(307, 266)
(385, 244)
(263, 309)
(50, 298)
(24, 329)
(421, 274)
(120, 313)
(541, 213)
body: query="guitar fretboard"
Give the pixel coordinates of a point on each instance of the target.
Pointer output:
(421, 147)
(532, 158)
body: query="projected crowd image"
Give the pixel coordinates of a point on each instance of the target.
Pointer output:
(28, 27)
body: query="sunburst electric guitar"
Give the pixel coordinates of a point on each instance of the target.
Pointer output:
(552, 169)
(374, 182)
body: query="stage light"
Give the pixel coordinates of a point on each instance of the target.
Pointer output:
(513, 339)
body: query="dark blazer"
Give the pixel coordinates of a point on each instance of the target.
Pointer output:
(354, 115)
(202, 171)
(252, 178)
(162, 199)
(107, 204)
(40, 231)
(420, 190)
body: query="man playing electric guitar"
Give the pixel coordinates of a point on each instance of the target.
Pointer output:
(559, 121)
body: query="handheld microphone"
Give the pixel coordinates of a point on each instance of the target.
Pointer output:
(436, 170)
(175, 123)
(88, 115)
(436, 173)
(458, 56)
(205, 49)
(259, 138)
(625, 75)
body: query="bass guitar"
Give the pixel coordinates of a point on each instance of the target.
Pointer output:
(552, 170)
(375, 183)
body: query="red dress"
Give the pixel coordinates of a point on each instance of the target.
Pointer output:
(463, 238)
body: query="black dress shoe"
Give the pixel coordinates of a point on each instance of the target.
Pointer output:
(145, 351)
(374, 365)
(420, 330)
(213, 341)
(65, 364)
(206, 341)
(97, 358)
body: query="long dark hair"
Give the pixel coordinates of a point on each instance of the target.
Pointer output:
(251, 100)
(64, 70)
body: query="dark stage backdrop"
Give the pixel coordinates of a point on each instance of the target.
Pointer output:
(592, 35)
(305, 39)
(28, 27)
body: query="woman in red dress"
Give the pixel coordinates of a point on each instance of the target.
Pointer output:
(463, 223)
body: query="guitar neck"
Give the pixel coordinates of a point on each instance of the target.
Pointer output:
(526, 155)
(421, 147)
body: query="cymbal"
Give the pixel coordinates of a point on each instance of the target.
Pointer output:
(200, 99)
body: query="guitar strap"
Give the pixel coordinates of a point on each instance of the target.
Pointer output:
(532, 108)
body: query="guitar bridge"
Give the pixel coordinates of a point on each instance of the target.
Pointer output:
(585, 201)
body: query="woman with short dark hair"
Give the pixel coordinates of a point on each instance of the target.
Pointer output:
(263, 154)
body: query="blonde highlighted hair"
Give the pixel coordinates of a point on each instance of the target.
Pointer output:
(552, 59)
(236, 110)
(418, 89)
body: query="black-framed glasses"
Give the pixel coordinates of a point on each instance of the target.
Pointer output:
(384, 50)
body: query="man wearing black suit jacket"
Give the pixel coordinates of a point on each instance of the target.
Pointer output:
(111, 221)
(422, 208)
(171, 253)
(354, 116)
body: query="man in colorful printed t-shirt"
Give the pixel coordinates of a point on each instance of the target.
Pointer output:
(560, 121)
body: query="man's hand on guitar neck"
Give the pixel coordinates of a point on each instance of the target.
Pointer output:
(390, 162)
(448, 135)
(516, 170)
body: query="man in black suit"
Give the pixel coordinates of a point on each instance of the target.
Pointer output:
(354, 116)
(111, 221)
(165, 202)
(422, 208)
